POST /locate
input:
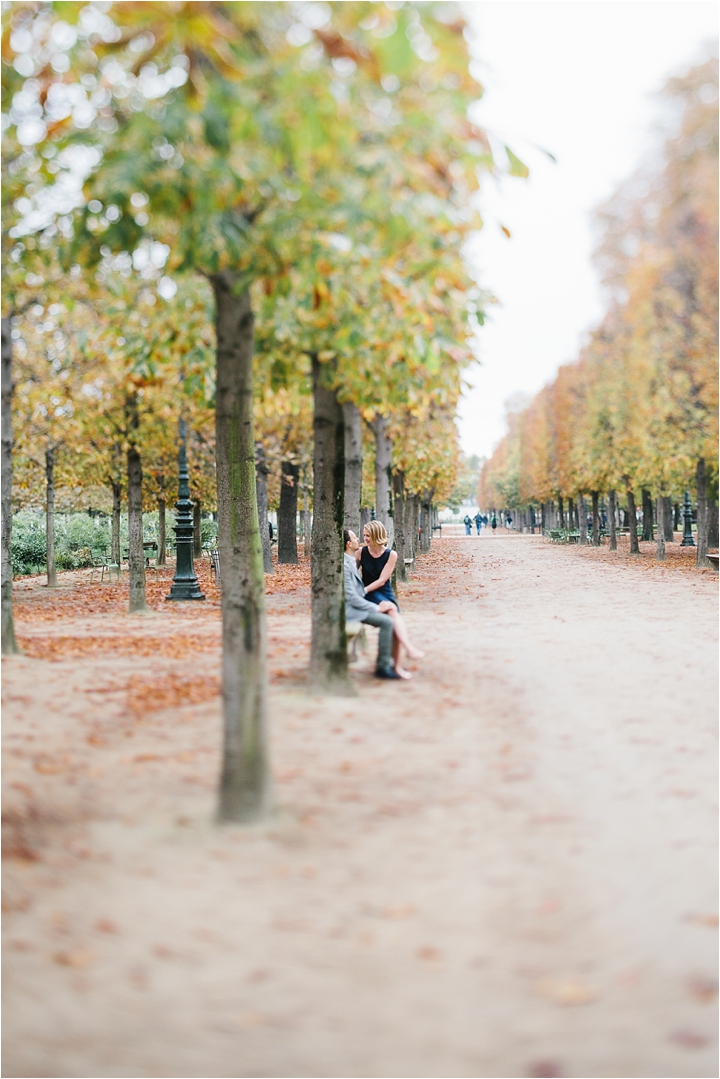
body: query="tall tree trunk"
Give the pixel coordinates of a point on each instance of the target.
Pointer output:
(702, 513)
(596, 518)
(400, 522)
(365, 518)
(414, 533)
(136, 556)
(307, 519)
(328, 648)
(50, 517)
(115, 527)
(582, 519)
(383, 474)
(9, 641)
(427, 522)
(612, 519)
(287, 514)
(676, 517)
(561, 513)
(162, 532)
(712, 525)
(660, 554)
(261, 472)
(632, 519)
(245, 778)
(353, 466)
(667, 519)
(647, 533)
(197, 529)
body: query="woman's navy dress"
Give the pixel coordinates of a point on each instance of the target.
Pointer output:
(370, 570)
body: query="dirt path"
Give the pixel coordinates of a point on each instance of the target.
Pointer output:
(506, 867)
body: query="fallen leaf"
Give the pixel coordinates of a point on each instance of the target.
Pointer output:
(74, 959)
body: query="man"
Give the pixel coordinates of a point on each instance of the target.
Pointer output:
(478, 521)
(359, 609)
(468, 525)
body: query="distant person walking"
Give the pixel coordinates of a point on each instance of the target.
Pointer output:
(468, 525)
(478, 522)
(493, 523)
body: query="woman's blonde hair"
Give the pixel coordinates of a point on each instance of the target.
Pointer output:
(377, 533)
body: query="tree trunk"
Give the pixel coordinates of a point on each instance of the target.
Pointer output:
(50, 517)
(668, 519)
(9, 641)
(383, 474)
(307, 520)
(712, 525)
(702, 514)
(245, 778)
(353, 466)
(427, 523)
(413, 526)
(197, 529)
(660, 553)
(365, 518)
(400, 521)
(676, 517)
(287, 514)
(115, 527)
(582, 519)
(328, 648)
(261, 471)
(561, 513)
(612, 520)
(596, 518)
(162, 532)
(647, 533)
(136, 556)
(632, 521)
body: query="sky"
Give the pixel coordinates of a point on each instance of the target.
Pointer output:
(577, 78)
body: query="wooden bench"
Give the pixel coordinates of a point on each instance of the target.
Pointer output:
(356, 637)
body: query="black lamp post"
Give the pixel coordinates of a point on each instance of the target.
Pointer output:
(687, 540)
(185, 583)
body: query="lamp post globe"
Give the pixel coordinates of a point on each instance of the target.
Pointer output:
(185, 583)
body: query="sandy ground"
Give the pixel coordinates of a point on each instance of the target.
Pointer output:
(506, 867)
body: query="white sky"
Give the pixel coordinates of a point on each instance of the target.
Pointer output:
(576, 77)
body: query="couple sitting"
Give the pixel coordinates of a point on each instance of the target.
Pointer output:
(370, 598)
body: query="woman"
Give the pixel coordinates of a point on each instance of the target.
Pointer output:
(376, 568)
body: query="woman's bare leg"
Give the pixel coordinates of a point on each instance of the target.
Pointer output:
(395, 652)
(401, 633)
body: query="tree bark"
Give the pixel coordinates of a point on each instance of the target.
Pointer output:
(365, 518)
(676, 517)
(353, 466)
(162, 532)
(582, 519)
(50, 517)
(115, 527)
(307, 520)
(9, 641)
(427, 522)
(668, 519)
(197, 528)
(136, 554)
(287, 514)
(328, 648)
(702, 514)
(245, 777)
(400, 520)
(660, 550)
(261, 471)
(647, 533)
(561, 513)
(414, 529)
(611, 519)
(712, 525)
(383, 474)
(632, 520)
(596, 518)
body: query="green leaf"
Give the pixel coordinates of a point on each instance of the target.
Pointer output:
(517, 168)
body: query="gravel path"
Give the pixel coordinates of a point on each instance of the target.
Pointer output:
(506, 867)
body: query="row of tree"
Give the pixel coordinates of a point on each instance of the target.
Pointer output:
(252, 214)
(637, 413)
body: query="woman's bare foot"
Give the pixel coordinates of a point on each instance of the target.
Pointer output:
(403, 673)
(414, 653)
